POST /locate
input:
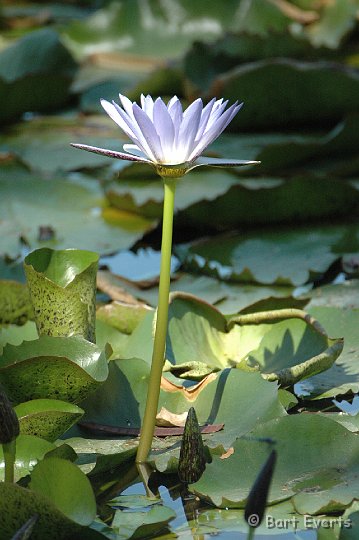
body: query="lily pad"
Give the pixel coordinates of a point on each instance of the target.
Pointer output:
(62, 285)
(343, 376)
(72, 210)
(121, 402)
(15, 304)
(35, 74)
(284, 257)
(285, 345)
(47, 418)
(327, 93)
(28, 503)
(62, 483)
(15, 335)
(52, 367)
(296, 472)
(152, 30)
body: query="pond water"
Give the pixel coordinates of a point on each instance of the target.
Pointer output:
(194, 521)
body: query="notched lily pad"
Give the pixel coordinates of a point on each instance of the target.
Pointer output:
(52, 367)
(47, 418)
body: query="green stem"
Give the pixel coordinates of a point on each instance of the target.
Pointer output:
(251, 531)
(9, 451)
(149, 420)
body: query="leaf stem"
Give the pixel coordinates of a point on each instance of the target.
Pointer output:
(159, 344)
(9, 451)
(250, 533)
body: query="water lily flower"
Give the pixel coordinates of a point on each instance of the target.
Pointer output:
(166, 136)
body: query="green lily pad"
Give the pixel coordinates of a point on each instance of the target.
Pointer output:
(121, 402)
(43, 144)
(142, 524)
(97, 456)
(15, 304)
(15, 335)
(284, 345)
(158, 31)
(18, 504)
(29, 450)
(327, 93)
(62, 483)
(317, 472)
(228, 297)
(343, 376)
(124, 317)
(145, 196)
(47, 418)
(339, 295)
(284, 257)
(35, 74)
(72, 210)
(62, 287)
(52, 367)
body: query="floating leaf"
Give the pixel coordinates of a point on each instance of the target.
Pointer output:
(121, 401)
(277, 257)
(142, 524)
(18, 504)
(157, 31)
(62, 287)
(35, 74)
(327, 93)
(73, 211)
(124, 317)
(285, 345)
(15, 304)
(47, 418)
(55, 368)
(15, 335)
(343, 376)
(62, 483)
(296, 471)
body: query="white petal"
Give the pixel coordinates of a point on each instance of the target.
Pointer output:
(131, 128)
(114, 112)
(147, 105)
(212, 133)
(149, 133)
(188, 130)
(110, 153)
(206, 113)
(164, 127)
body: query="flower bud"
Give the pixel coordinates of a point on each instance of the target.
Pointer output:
(192, 460)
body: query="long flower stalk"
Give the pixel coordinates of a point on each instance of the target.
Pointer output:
(171, 140)
(159, 345)
(9, 451)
